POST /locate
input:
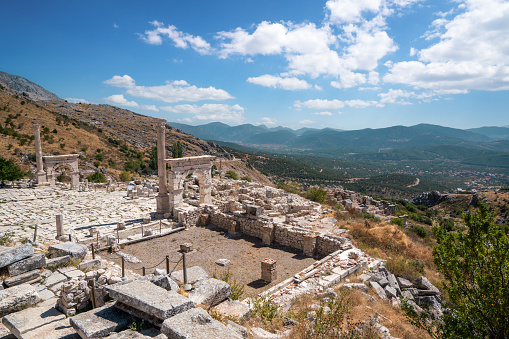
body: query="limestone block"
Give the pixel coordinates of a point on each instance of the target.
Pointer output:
(9, 255)
(11, 299)
(234, 308)
(379, 290)
(142, 334)
(390, 291)
(28, 264)
(54, 279)
(240, 330)
(101, 321)
(31, 318)
(260, 333)
(223, 262)
(196, 323)
(22, 278)
(194, 274)
(424, 284)
(360, 287)
(89, 265)
(393, 283)
(54, 330)
(404, 283)
(69, 248)
(149, 298)
(167, 283)
(55, 262)
(209, 292)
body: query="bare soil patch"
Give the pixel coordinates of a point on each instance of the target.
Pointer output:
(211, 243)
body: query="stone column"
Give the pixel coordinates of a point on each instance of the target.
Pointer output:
(162, 199)
(269, 272)
(40, 174)
(267, 234)
(309, 245)
(60, 225)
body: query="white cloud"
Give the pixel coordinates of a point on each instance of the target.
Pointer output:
(320, 104)
(393, 95)
(115, 25)
(348, 80)
(77, 101)
(362, 103)
(323, 113)
(172, 92)
(472, 52)
(349, 11)
(306, 122)
(186, 120)
(290, 83)
(118, 99)
(210, 112)
(268, 121)
(120, 81)
(150, 108)
(180, 39)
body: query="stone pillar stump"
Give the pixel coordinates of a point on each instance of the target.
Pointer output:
(269, 273)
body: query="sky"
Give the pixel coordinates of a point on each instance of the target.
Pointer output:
(346, 64)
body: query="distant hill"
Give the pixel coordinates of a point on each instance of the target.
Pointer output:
(26, 87)
(497, 133)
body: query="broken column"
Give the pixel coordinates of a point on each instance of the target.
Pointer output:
(309, 245)
(40, 174)
(269, 272)
(60, 225)
(267, 234)
(163, 198)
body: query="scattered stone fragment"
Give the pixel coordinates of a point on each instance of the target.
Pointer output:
(194, 274)
(89, 265)
(149, 333)
(234, 309)
(31, 318)
(167, 283)
(56, 262)
(9, 255)
(240, 330)
(31, 263)
(379, 290)
(11, 299)
(390, 291)
(101, 321)
(223, 262)
(260, 333)
(54, 279)
(404, 283)
(55, 330)
(423, 283)
(69, 248)
(360, 287)
(209, 292)
(23, 278)
(196, 323)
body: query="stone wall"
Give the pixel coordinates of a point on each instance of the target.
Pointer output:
(329, 243)
(289, 236)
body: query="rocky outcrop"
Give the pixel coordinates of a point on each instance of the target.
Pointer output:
(26, 87)
(429, 199)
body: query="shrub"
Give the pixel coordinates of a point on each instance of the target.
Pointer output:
(316, 194)
(237, 288)
(248, 179)
(97, 163)
(63, 178)
(420, 231)
(125, 176)
(97, 177)
(232, 175)
(398, 221)
(99, 157)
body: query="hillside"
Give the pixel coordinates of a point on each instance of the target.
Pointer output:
(25, 87)
(104, 136)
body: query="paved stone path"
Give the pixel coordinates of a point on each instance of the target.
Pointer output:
(21, 209)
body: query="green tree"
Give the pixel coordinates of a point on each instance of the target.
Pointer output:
(97, 177)
(317, 194)
(125, 176)
(9, 171)
(177, 151)
(475, 264)
(152, 164)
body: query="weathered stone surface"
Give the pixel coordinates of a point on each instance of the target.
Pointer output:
(427, 292)
(379, 290)
(149, 318)
(149, 298)
(167, 283)
(194, 274)
(196, 323)
(364, 277)
(54, 279)
(31, 318)
(55, 330)
(209, 292)
(383, 282)
(360, 287)
(89, 265)
(234, 308)
(74, 274)
(240, 330)
(13, 298)
(424, 284)
(9, 255)
(45, 294)
(390, 291)
(22, 278)
(101, 321)
(393, 283)
(143, 334)
(260, 333)
(404, 283)
(28, 264)
(55, 262)
(223, 262)
(69, 248)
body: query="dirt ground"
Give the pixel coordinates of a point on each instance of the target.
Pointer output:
(211, 243)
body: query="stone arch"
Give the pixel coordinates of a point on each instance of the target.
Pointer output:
(52, 162)
(180, 168)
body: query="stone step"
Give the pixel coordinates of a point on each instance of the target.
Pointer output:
(9, 255)
(55, 330)
(31, 263)
(29, 319)
(102, 321)
(149, 298)
(14, 298)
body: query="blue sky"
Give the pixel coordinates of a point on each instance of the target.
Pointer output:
(347, 64)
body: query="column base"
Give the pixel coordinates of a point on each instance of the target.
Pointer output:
(163, 203)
